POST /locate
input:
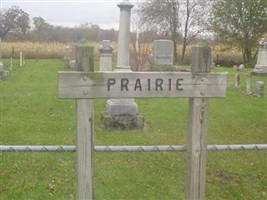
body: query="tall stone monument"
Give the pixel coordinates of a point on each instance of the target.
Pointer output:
(123, 113)
(261, 66)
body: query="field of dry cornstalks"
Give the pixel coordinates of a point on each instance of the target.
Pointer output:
(221, 54)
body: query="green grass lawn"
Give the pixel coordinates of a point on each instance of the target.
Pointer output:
(31, 114)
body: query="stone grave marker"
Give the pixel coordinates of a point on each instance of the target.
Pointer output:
(261, 66)
(106, 56)
(72, 64)
(259, 91)
(67, 54)
(163, 52)
(3, 72)
(123, 113)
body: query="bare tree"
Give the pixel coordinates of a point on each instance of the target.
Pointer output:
(193, 20)
(162, 17)
(13, 21)
(186, 18)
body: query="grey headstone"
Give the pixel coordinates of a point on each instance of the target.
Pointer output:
(106, 56)
(67, 53)
(3, 74)
(163, 52)
(72, 64)
(1, 66)
(261, 66)
(117, 107)
(241, 67)
(259, 91)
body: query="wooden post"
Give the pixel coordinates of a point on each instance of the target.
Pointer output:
(197, 131)
(248, 84)
(237, 80)
(85, 58)
(20, 59)
(85, 130)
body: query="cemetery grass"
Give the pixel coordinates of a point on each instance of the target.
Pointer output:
(31, 114)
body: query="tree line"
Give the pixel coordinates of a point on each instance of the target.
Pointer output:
(15, 26)
(236, 23)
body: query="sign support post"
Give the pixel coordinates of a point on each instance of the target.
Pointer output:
(197, 131)
(85, 130)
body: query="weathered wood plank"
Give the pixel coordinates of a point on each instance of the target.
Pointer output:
(85, 148)
(196, 148)
(85, 132)
(80, 85)
(197, 132)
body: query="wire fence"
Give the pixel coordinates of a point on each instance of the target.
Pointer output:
(44, 172)
(158, 148)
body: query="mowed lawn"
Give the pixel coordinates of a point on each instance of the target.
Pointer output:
(31, 114)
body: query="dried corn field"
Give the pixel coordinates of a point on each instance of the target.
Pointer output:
(35, 50)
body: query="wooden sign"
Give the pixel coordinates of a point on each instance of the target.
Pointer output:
(85, 85)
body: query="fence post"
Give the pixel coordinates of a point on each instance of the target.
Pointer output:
(197, 131)
(85, 130)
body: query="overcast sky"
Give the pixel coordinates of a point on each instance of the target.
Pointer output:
(105, 13)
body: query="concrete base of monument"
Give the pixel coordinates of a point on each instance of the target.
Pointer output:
(122, 122)
(259, 71)
(118, 107)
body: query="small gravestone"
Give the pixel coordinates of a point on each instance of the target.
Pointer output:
(106, 56)
(163, 52)
(72, 64)
(259, 91)
(261, 66)
(67, 54)
(69, 57)
(3, 72)
(241, 67)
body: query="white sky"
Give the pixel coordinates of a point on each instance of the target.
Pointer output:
(104, 13)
